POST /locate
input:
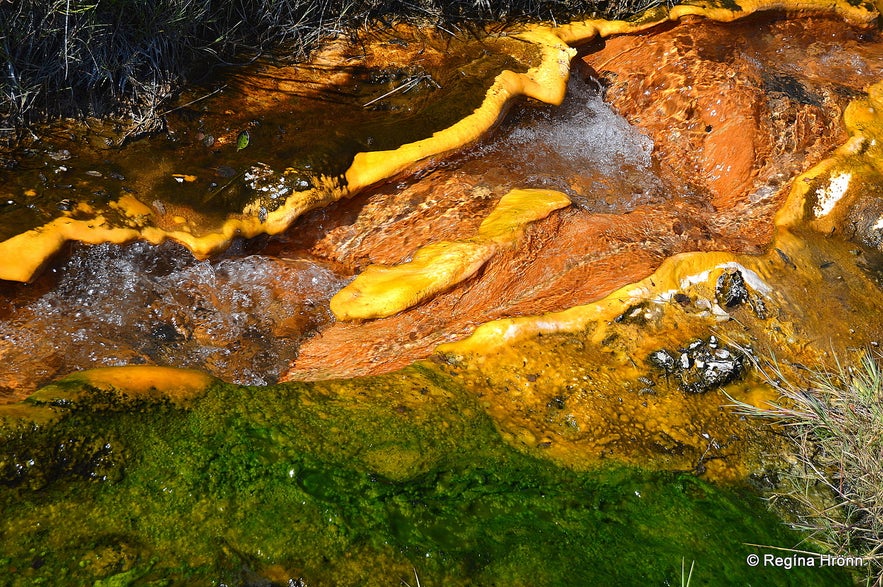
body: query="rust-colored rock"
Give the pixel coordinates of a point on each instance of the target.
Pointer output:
(737, 110)
(732, 124)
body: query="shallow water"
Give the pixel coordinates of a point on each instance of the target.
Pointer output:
(258, 136)
(243, 318)
(629, 212)
(238, 318)
(582, 148)
(514, 466)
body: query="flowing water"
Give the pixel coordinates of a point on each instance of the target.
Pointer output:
(239, 318)
(637, 197)
(243, 318)
(560, 458)
(582, 148)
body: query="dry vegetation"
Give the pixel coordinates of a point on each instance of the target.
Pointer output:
(835, 423)
(130, 57)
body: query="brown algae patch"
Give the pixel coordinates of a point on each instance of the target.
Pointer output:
(382, 291)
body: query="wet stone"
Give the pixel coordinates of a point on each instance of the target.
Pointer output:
(165, 332)
(664, 360)
(731, 290)
(682, 299)
(638, 314)
(711, 368)
(556, 402)
(758, 307)
(700, 367)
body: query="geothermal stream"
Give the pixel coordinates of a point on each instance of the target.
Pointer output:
(379, 345)
(728, 114)
(243, 317)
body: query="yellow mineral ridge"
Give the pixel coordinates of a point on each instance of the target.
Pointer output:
(24, 254)
(817, 201)
(674, 272)
(546, 82)
(858, 14)
(132, 382)
(835, 182)
(135, 382)
(382, 291)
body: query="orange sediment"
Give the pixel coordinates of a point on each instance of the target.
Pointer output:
(382, 291)
(24, 254)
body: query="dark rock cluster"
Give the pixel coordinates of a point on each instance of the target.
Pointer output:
(700, 367)
(731, 291)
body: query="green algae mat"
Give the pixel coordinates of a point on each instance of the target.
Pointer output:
(363, 482)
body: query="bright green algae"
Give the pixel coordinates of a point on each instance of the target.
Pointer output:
(357, 482)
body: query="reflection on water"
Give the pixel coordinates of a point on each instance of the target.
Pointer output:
(308, 118)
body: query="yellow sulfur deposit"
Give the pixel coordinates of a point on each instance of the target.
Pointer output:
(134, 382)
(821, 197)
(382, 291)
(858, 14)
(506, 223)
(546, 82)
(25, 253)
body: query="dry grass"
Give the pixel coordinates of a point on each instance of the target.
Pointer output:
(131, 57)
(835, 425)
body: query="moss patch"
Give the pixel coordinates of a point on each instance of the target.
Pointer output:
(348, 483)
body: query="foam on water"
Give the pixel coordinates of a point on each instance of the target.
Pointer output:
(582, 148)
(584, 131)
(241, 319)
